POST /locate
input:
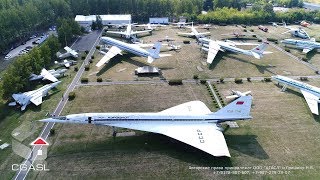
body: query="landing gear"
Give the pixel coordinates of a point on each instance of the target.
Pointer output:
(114, 132)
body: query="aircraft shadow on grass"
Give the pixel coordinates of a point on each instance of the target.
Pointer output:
(120, 59)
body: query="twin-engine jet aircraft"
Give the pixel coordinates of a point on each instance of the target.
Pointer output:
(50, 75)
(310, 93)
(35, 96)
(119, 46)
(192, 123)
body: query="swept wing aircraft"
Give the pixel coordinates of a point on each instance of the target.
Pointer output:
(194, 33)
(66, 63)
(35, 96)
(70, 52)
(119, 46)
(237, 94)
(305, 45)
(129, 33)
(215, 46)
(192, 123)
(50, 75)
(310, 93)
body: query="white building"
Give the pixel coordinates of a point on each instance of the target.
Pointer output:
(86, 21)
(159, 20)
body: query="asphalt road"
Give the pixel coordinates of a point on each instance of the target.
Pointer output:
(91, 42)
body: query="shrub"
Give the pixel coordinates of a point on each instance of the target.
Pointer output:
(84, 80)
(52, 132)
(92, 57)
(186, 42)
(221, 80)
(203, 81)
(71, 95)
(99, 79)
(83, 57)
(287, 49)
(254, 35)
(267, 79)
(238, 80)
(251, 30)
(272, 39)
(249, 79)
(175, 82)
(76, 69)
(259, 40)
(90, 61)
(244, 26)
(87, 67)
(87, 51)
(304, 59)
(195, 76)
(98, 47)
(244, 30)
(304, 78)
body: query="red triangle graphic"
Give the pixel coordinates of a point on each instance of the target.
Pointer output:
(39, 141)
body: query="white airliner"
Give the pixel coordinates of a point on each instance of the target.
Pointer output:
(119, 46)
(150, 26)
(129, 33)
(70, 52)
(35, 97)
(297, 32)
(305, 45)
(215, 46)
(50, 75)
(192, 123)
(310, 93)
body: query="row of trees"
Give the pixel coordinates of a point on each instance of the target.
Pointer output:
(19, 19)
(16, 77)
(257, 15)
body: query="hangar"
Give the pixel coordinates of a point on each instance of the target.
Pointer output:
(159, 20)
(86, 21)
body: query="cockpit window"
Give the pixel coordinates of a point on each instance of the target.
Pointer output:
(60, 118)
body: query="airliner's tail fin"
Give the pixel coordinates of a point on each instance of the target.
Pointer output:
(155, 50)
(259, 50)
(238, 109)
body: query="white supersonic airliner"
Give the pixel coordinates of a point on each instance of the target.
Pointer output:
(192, 123)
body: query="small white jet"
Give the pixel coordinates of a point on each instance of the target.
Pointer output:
(310, 93)
(66, 63)
(119, 46)
(50, 75)
(70, 52)
(296, 32)
(194, 33)
(35, 96)
(215, 46)
(192, 123)
(129, 33)
(181, 24)
(274, 24)
(305, 45)
(237, 94)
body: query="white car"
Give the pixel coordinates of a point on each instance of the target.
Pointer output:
(7, 57)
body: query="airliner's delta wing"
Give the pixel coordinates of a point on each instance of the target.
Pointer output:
(35, 96)
(310, 93)
(119, 46)
(192, 122)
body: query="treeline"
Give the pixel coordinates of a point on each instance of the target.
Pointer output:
(16, 76)
(20, 18)
(264, 15)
